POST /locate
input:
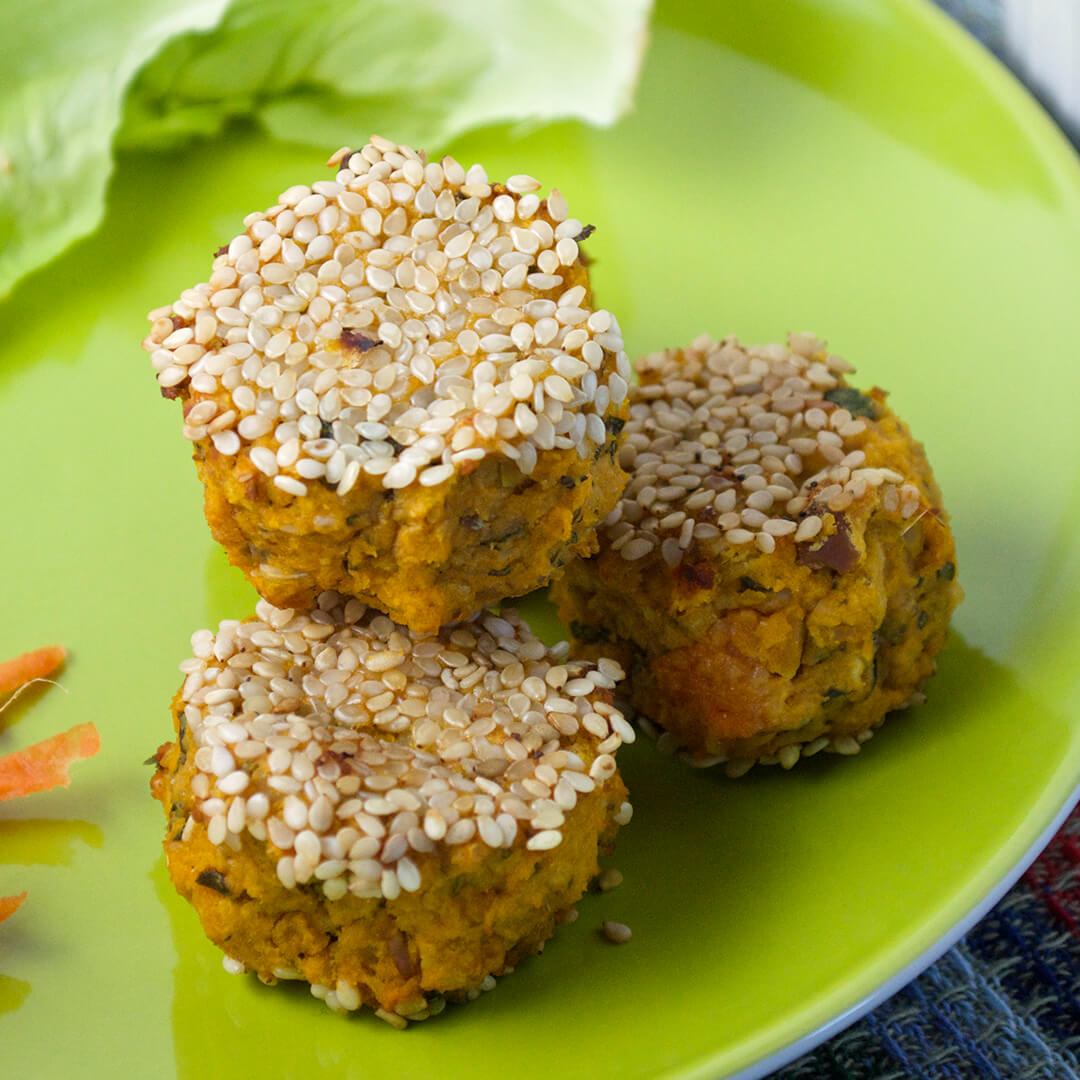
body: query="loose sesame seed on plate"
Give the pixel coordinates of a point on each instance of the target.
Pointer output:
(367, 302)
(609, 879)
(616, 932)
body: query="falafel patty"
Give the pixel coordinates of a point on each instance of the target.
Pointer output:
(395, 818)
(779, 573)
(396, 387)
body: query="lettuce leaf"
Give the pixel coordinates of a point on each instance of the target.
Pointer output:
(61, 103)
(155, 73)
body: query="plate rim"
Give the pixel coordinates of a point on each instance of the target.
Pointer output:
(1046, 816)
(984, 888)
(916, 967)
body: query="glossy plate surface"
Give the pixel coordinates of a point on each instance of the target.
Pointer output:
(858, 169)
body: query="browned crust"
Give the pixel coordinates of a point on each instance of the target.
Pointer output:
(739, 654)
(425, 556)
(479, 911)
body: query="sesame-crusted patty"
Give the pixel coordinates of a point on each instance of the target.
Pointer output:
(390, 816)
(779, 573)
(371, 358)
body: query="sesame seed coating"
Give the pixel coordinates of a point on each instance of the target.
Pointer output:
(352, 748)
(403, 320)
(739, 444)
(786, 756)
(779, 573)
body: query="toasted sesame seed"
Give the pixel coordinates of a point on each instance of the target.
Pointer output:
(637, 548)
(702, 415)
(808, 528)
(355, 831)
(394, 249)
(609, 879)
(545, 840)
(520, 183)
(616, 932)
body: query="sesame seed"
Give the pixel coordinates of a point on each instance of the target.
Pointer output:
(408, 874)
(347, 996)
(226, 443)
(290, 484)
(616, 932)
(609, 879)
(362, 842)
(545, 840)
(307, 251)
(234, 783)
(392, 1019)
(808, 528)
(637, 548)
(716, 410)
(520, 183)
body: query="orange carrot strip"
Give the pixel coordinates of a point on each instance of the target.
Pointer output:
(9, 904)
(32, 665)
(45, 764)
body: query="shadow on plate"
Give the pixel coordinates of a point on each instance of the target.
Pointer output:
(13, 993)
(45, 841)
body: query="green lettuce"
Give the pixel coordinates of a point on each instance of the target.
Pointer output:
(155, 73)
(65, 75)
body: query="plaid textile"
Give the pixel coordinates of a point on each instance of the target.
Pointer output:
(1003, 1004)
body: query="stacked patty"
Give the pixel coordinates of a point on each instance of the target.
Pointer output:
(404, 410)
(779, 573)
(393, 817)
(396, 387)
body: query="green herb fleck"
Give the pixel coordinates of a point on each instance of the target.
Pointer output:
(856, 402)
(213, 879)
(515, 530)
(749, 583)
(589, 635)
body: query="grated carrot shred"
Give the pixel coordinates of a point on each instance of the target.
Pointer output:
(45, 764)
(38, 664)
(10, 904)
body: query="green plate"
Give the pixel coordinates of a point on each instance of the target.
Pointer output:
(859, 169)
